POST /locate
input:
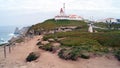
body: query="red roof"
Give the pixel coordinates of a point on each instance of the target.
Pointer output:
(61, 10)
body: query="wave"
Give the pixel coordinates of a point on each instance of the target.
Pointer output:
(2, 41)
(11, 34)
(8, 37)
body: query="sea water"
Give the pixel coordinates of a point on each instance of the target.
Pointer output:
(6, 33)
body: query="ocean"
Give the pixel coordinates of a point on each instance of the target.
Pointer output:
(6, 33)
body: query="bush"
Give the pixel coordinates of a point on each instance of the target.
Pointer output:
(39, 43)
(61, 54)
(32, 56)
(3, 44)
(69, 54)
(85, 55)
(54, 49)
(19, 40)
(47, 47)
(117, 54)
(74, 54)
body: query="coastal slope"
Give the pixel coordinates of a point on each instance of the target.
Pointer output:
(16, 59)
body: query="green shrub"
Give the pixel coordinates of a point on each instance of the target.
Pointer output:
(74, 54)
(117, 54)
(32, 56)
(85, 55)
(3, 44)
(19, 40)
(47, 47)
(69, 54)
(39, 43)
(62, 54)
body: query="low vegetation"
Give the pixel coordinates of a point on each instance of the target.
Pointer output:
(19, 40)
(39, 43)
(117, 54)
(80, 43)
(73, 53)
(110, 26)
(110, 39)
(32, 56)
(2, 44)
(47, 47)
(69, 54)
(51, 24)
(83, 43)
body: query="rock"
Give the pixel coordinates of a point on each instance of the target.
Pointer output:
(56, 44)
(17, 31)
(59, 39)
(40, 46)
(51, 40)
(44, 42)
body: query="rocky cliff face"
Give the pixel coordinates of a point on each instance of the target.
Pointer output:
(17, 31)
(22, 31)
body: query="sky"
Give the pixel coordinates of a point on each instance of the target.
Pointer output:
(29, 12)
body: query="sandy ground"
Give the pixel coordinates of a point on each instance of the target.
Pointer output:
(16, 59)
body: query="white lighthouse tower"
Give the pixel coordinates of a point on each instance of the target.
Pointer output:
(62, 10)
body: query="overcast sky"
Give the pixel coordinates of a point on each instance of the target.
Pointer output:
(28, 12)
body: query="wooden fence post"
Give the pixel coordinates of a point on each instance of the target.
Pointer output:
(10, 48)
(5, 51)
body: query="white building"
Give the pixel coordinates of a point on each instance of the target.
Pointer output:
(62, 15)
(75, 17)
(90, 29)
(108, 20)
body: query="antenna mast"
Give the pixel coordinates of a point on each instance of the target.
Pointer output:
(64, 7)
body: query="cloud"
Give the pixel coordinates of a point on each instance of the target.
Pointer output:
(53, 5)
(33, 11)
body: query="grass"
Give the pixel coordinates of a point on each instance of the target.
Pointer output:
(101, 24)
(109, 39)
(117, 54)
(47, 47)
(19, 40)
(2, 44)
(52, 24)
(98, 43)
(79, 43)
(113, 26)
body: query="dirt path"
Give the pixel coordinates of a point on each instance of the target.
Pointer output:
(49, 60)
(19, 53)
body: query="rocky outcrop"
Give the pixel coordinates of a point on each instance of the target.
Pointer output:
(17, 31)
(22, 31)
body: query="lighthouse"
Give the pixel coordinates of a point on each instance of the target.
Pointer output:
(62, 10)
(64, 16)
